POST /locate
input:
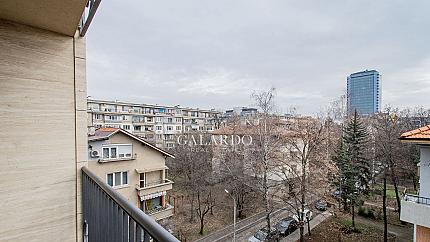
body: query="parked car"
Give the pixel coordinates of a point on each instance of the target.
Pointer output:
(321, 205)
(264, 235)
(337, 194)
(308, 215)
(286, 226)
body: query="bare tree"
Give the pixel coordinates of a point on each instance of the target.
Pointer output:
(192, 170)
(388, 148)
(302, 169)
(267, 143)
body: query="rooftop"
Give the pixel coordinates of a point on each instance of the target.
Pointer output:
(106, 133)
(421, 134)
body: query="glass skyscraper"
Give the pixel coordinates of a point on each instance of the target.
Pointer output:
(363, 92)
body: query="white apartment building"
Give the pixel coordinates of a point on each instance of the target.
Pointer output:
(156, 123)
(416, 208)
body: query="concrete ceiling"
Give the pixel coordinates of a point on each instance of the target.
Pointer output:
(61, 16)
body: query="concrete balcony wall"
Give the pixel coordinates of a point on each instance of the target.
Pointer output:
(415, 213)
(155, 188)
(43, 90)
(162, 214)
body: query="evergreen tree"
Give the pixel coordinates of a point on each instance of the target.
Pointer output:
(353, 165)
(356, 140)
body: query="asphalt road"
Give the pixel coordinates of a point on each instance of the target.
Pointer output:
(244, 228)
(247, 227)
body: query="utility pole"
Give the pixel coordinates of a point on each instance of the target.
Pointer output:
(234, 214)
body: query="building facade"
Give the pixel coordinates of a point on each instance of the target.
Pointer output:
(415, 209)
(241, 112)
(155, 123)
(43, 89)
(133, 167)
(364, 92)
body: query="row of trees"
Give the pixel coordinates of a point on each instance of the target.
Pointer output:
(293, 160)
(369, 149)
(287, 164)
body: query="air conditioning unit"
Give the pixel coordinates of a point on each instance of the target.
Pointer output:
(94, 154)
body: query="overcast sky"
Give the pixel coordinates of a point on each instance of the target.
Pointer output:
(213, 54)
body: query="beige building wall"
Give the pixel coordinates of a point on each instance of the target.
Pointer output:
(43, 133)
(146, 158)
(422, 234)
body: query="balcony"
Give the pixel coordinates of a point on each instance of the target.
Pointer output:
(108, 216)
(155, 187)
(416, 210)
(161, 212)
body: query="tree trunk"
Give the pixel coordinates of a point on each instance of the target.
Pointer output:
(302, 239)
(192, 208)
(211, 203)
(396, 189)
(384, 208)
(266, 198)
(353, 215)
(302, 190)
(268, 220)
(202, 224)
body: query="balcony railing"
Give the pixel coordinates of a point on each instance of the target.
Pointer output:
(157, 183)
(417, 199)
(108, 216)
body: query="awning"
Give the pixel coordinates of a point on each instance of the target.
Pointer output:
(153, 195)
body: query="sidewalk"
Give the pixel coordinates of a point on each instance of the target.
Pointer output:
(295, 236)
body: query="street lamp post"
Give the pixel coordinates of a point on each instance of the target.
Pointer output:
(234, 214)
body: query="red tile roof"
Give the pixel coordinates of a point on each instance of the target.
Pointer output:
(422, 133)
(107, 129)
(106, 133)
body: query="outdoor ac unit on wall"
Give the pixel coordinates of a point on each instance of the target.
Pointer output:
(94, 154)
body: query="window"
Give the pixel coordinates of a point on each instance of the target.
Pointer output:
(158, 119)
(117, 151)
(149, 119)
(126, 127)
(159, 127)
(169, 120)
(178, 120)
(137, 128)
(98, 116)
(117, 179)
(142, 179)
(113, 152)
(169, 128)
(105, 153)
(178, 128)
(110, 179)
(125, 177)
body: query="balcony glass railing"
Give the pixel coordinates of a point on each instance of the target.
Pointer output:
(108, 216)
(159, 209)
(417, 199)
(156, 183)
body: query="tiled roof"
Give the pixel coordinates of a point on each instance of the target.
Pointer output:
(105, 133)
(422, 133)
(102, 133)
